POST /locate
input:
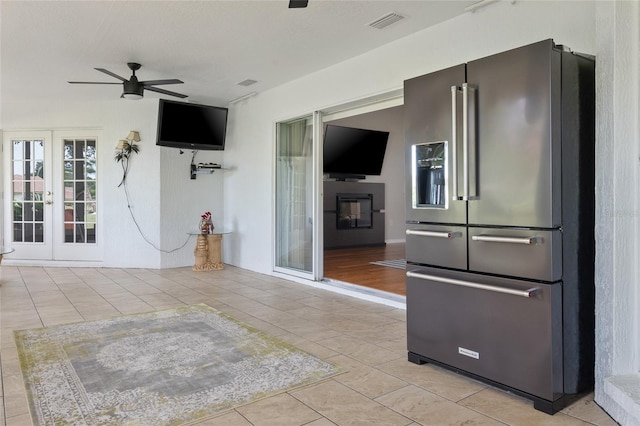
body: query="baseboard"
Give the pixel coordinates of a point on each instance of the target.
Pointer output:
(396, 241)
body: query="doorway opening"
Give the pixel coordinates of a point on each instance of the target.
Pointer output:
(300, 219)
(364, 261)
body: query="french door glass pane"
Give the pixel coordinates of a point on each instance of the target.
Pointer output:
(294, 198)
(79, 163)
(27, 165)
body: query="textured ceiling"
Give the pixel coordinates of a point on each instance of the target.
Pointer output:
(210, 45)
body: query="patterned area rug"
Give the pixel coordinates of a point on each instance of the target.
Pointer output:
(396, 263)
(161, 368)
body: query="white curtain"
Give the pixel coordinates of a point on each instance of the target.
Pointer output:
(293, 169)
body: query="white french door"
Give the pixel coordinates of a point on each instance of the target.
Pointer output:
(52, 195)
(27, 182)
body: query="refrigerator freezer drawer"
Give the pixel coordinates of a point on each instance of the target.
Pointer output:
(437, 245)
(529, 254)
(513, 337)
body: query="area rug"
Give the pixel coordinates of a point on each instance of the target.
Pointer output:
(161, 368)
(395, 263)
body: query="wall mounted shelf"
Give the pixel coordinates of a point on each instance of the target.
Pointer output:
(197, 169)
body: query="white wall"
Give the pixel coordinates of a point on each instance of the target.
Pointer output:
(618, 210)
(249, 191)
(184, 200)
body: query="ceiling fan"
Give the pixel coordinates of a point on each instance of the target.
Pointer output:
(134, 89)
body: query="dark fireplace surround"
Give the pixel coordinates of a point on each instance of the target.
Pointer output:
(353, 214)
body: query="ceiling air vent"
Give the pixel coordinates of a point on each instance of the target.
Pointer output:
(386, 20)
(247, 82)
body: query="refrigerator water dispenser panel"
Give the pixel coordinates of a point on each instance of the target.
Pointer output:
(429, 175)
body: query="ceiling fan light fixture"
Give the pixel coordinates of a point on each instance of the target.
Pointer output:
(132, 90)
(132, 96)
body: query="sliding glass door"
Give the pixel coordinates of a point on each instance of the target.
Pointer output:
(298, 248)
(298, 230)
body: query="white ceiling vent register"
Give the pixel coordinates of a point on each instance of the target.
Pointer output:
(247, 82)
(386, 20)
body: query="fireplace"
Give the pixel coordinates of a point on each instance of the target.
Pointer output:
(353, 214)
(354, 211)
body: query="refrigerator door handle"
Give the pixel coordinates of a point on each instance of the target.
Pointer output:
(522, 293)
(508, 240)
(436, 234)
(454, 143)
(465, 142)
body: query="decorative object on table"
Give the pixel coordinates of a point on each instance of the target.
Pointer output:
(124, 149)
(165, 367)
(206, 224)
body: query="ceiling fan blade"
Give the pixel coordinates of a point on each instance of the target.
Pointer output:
(166, 92)
(157, 82)
(111, 74)
(91, 82)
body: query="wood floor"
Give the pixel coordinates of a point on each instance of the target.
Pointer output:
(352, 265)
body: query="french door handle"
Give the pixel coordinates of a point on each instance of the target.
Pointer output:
(522, 293)
(465, 142)
(509, 240)
(436, 234)
(49, 202)
(454, 143)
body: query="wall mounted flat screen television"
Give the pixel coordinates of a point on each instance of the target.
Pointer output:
(353, 153)
(191, 126)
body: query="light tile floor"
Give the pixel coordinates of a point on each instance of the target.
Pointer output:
(367, 339)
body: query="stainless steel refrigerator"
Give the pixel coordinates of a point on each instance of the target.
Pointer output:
(500, 217)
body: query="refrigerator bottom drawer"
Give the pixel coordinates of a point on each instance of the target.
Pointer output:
(507, 331)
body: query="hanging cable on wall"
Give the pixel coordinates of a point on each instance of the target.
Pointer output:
(124, 149)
